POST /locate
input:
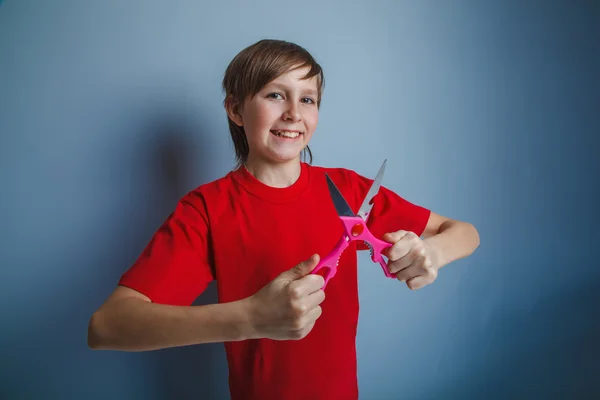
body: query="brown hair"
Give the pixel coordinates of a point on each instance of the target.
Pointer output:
(256, 66)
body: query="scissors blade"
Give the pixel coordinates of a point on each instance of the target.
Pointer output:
(365, 208)
(341, 206)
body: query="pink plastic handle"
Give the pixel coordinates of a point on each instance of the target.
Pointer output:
(354, 229)
(330, 262)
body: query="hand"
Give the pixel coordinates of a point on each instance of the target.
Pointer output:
(411, 259)
(289, 305)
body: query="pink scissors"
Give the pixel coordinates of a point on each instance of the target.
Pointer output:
(355, 228)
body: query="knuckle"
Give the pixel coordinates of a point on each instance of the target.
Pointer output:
(428, 264)
(300, 309)
(431, 274)
(416, 251)
(398, 235)
(303, 308)
(295, 292)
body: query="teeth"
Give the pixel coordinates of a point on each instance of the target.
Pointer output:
(291, 135)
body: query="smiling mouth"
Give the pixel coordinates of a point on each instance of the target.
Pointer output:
(286, 134)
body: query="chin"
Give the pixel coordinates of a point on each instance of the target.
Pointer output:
(285, 155)
(285, 160)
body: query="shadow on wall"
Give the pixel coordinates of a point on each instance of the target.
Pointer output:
(193, 371)
(116, 209)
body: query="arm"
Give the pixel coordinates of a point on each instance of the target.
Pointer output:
(129, 321)
(416, 260)
(449, 239)
(286, 308)
(174, 268)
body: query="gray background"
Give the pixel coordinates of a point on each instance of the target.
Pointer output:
(486, 111)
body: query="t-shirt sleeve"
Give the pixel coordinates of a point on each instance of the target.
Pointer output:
(176, 265)
(390, 211)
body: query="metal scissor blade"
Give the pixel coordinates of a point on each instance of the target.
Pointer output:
(341, 206)
(365, 208)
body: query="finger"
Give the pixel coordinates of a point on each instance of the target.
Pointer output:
(418, 282)
(414, 256)
(302, 269)
(309, 328)
(302, 332)
(305, 286)
(409, 273)
(420, 266)
(305, 306)
(397, 250)
(393, 237)
(315, 299)
(422, 280)
(311, 317)
(402, 247)
(302, 320)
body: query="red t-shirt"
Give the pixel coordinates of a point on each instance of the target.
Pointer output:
(243, 234)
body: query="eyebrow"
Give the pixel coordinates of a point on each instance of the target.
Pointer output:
(284, 87)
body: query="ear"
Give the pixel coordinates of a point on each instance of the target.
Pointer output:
(233, 111)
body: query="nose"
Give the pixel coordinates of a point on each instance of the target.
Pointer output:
(292, 113)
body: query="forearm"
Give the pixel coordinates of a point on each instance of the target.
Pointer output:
(136, 325)
(454, 240)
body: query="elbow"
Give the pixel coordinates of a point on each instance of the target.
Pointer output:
(95, 337)
(474, 234)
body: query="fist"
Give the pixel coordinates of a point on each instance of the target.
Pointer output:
(410, 259)
(289, 306)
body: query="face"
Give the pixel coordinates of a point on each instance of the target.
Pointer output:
(280, 120)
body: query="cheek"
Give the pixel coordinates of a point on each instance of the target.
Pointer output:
(257, 119)
(311, 119)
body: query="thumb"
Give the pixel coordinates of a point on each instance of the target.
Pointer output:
(302, 269)
(391, 237)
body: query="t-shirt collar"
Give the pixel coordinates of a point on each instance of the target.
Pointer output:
(270, 193)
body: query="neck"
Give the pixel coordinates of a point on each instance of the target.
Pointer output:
(279, 175)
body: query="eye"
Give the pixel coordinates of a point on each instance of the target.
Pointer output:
(274, 96)
(308, 100)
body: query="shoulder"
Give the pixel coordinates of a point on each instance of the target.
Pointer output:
(209, 192)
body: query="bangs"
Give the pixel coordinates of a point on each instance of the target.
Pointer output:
(263, 62)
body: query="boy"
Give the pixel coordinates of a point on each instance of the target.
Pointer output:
(259, 231)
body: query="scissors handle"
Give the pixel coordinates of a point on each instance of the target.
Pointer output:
(354, 229)
(357, 229)
(330, 262)
(377, 246)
